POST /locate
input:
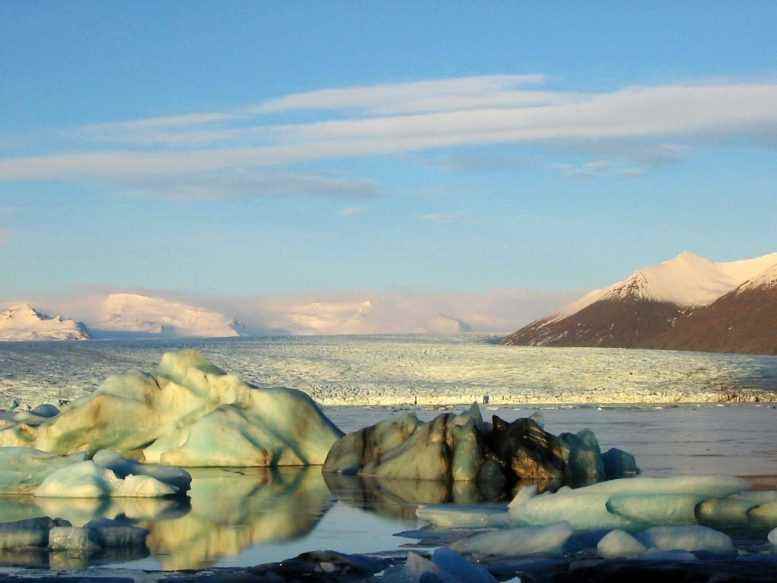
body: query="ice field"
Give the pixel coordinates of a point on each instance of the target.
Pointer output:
(382, 370)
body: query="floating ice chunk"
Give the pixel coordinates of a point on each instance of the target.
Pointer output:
(662, 509)
(764, 514)
(772, 538)
(123, 468)
(517, 542)
(704, 486)
(581, 510)
(88, 480)
(619, 464)
(75, 540)
(462, 516)
(686, 538)
(523, 496)
(618, 544)
(731, 511)
(418, 568)
(452, 563)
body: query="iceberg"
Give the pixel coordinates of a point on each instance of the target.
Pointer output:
(517, 542)
(686, 538)
(188, 413)
(663, 509)
(619, 544)
(452, 563)
(772, 537)
(462, 516)
(731, 511)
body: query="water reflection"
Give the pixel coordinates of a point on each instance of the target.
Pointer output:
(398, 498)
(232, 510)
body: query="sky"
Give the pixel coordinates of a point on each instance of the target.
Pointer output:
(314, 149)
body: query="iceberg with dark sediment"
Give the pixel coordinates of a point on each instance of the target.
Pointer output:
(187, 413)
(465, 448)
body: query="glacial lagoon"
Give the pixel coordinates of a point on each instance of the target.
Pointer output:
(247, 516)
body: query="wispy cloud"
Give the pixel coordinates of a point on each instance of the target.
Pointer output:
(221, 185)
(442, 217)
(392, 119)
(352, 211)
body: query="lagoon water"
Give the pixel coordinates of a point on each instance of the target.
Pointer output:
(239, 517)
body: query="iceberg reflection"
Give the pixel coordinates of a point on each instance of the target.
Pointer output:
(234, 509)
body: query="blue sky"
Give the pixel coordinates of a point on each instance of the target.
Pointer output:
(243, 148)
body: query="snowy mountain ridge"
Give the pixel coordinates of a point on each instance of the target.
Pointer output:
(687, 280)
(22, 322)
(132, 312)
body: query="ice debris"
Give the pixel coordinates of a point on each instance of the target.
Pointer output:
(619, 544)
(88, 480)
(463, 516)
(686, 538)
(517, 542)
(188, 413)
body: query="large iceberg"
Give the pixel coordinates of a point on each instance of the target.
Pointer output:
(464, 448)
(188, 413)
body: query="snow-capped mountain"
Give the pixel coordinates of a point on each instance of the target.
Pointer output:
(22, 322)
(141, 314)
(656, 307)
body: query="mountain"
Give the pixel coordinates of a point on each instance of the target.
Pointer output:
(686, 303)
(141, 314)
(22, 322)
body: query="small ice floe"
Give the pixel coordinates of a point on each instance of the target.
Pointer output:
(88, 480)
(517, 542)
(627, 504)
(664, 509)
(686, 538)
(731, 511)
(445, 566)
(764, 514)
(463, 516)
(619, 544)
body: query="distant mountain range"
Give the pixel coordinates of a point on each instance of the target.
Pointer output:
(686, 303)
(22, 322)
(118, 314)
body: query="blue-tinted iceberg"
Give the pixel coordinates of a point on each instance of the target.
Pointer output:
(188, 413)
